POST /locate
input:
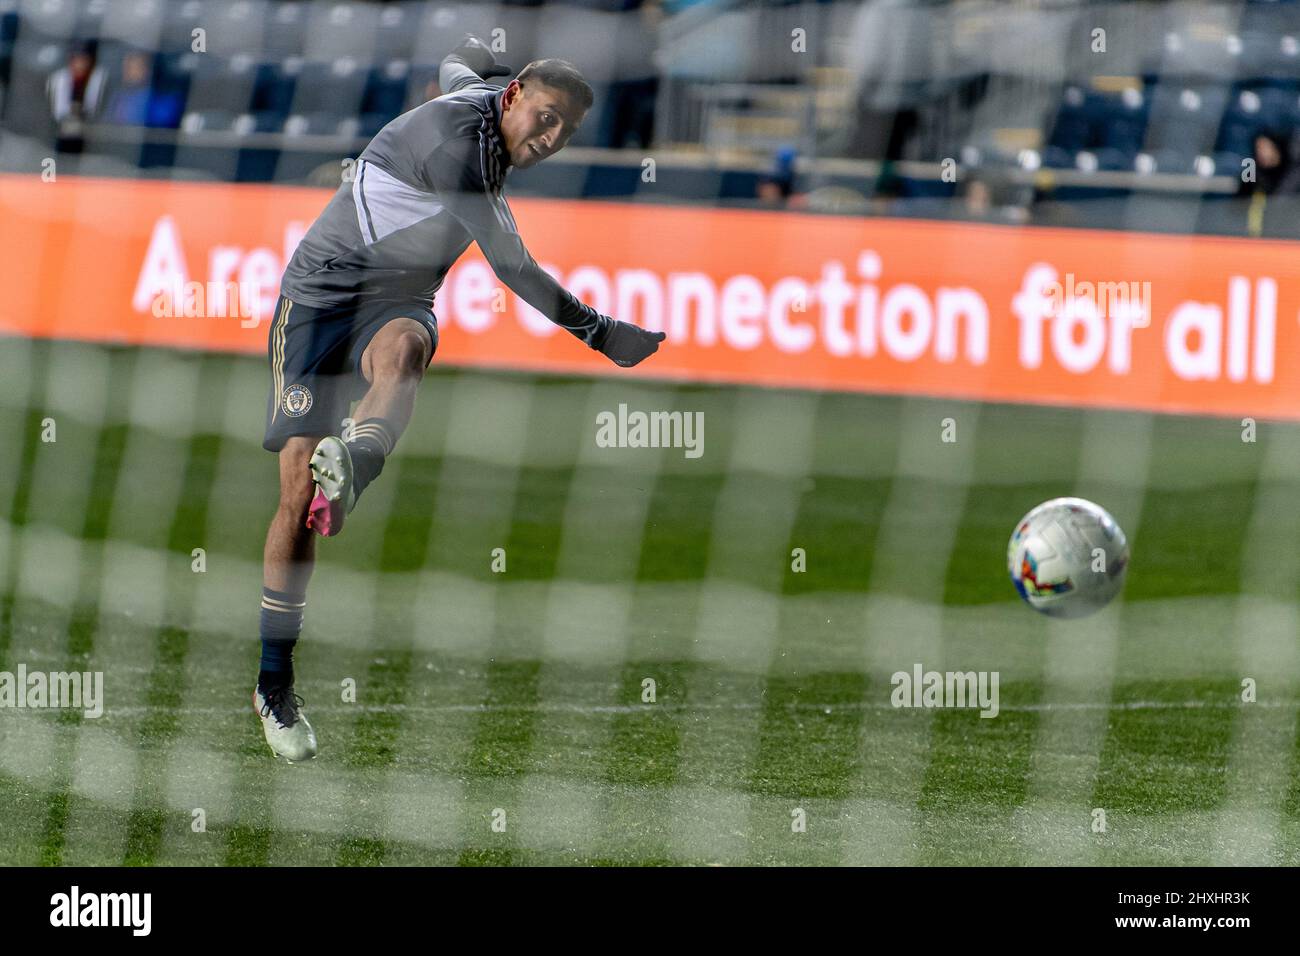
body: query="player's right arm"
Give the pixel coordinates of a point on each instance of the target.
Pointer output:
(456, 171)
(469, 65)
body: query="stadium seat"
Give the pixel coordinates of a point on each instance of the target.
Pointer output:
(1185, 119)
(1271, 57)
(1126, 122)
(274, 88)
(1228, 163)
(236, 27)
(442, 25)
(8, 21)
(336, 87)
(175, 71)
(320, 123)
(27, 109)
(385, 92)
(368, 124)
(90, 18)
(339, 29)
(134, 22)
(207, 121)
(51, 19)
(1072, 130)
(1178, 162)
(395, 32)
(260, 121)
(223, 84)
(1252, 110)
(1200, 42)
(282, 34)
(182, 17)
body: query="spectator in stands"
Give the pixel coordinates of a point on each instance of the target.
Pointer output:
(776, 188)
(1276, 174)
(774, 191)
(135, 102)
(75, 93)
(985, 200)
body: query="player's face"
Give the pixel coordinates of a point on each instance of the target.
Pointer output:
(536, 122)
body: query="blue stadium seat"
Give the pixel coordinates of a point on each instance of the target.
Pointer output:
(336, 87)
(1072, 130)
(273, 91)
(1228, 163)
(1126, 121)
(174, 72)
(386, 89)
(1109, 158)
(8, 21)
(1251, 110)
(368, 124)
(1109, 124)
(1058, 157)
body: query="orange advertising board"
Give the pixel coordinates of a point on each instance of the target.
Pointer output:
(1121, 319)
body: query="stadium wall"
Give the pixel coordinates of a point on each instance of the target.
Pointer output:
(1120, 319)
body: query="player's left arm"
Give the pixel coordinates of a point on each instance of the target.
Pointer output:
(454, 171)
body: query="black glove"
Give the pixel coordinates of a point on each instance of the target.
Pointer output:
(628, 344)
(479, 58)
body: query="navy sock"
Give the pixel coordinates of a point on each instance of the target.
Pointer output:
(371, 442)
(281, 625)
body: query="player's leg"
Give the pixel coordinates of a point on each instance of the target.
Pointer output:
(392, 363)
(287, 563)
(307, 400)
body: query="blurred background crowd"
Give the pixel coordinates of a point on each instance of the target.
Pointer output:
(1163, 116)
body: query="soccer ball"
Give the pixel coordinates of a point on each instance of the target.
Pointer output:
(1067, 557)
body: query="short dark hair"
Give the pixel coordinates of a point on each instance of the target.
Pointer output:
(561, 75)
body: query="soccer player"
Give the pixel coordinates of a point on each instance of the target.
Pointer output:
(354, 319)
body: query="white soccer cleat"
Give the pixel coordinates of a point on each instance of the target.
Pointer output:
(285, 725)
(331, 469)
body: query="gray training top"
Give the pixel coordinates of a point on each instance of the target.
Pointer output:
(428, 184)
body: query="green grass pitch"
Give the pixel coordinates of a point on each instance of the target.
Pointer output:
(516, 698)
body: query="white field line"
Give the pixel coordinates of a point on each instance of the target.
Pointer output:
(158, 382)
(931, 478)
(191, 783)
(1259, 756)
(612, 528)
(436, 812)
(737, 625)
(485, 421)
(559, 707)
(76, 392)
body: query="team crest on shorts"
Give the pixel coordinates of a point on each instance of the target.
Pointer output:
(296, 401)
